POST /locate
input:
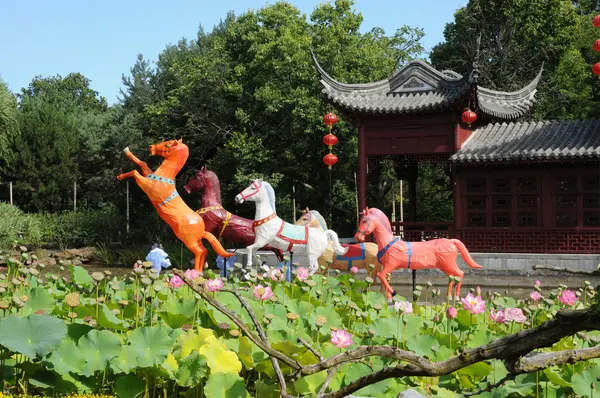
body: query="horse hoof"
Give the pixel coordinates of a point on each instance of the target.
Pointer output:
(394, 293)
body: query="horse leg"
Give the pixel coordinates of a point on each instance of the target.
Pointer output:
(199, 253)
(129, 174)
(450, 285)
(141, 164)
(382, 277)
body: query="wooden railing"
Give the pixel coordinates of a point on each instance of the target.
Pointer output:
(420, 231)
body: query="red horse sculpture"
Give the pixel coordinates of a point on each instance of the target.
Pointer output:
(395, 253)
(160, 188)
(217, 220)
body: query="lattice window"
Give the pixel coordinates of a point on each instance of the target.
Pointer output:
(566, 201)
(591, 182)
(526, 219)
(526, 185)
(476, 220)
(501, 220)
(501, 185)
(566, 219)
(527, 201)
(476, 185)
(591, 219)
(501, 202)
(591, 200)
(566, 184)
(476, 202)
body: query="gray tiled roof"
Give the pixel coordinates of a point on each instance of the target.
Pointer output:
(418, 87)
(545, 140)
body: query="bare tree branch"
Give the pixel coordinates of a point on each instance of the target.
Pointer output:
(508, 377)
(311, 349)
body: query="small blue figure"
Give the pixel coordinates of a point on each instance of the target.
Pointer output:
(230, 264)
(159, 258)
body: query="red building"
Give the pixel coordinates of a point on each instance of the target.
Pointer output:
(522, 187)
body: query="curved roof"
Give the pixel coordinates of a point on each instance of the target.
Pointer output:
(419, 87)
(544, 140)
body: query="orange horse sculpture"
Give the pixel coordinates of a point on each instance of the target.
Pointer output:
(395, 253)
(159, 185)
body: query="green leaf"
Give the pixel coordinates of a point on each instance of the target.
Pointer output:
(191, 370)
(249, 353)
(35, 335)
(521, 386)
(220, 360)
(80, 276)
(43, 379)
(388, 327)
(190, 341)
(477, 370)
(310, 384)
(264, 390)
(129, 386)
(582, 381)
(66, 358)
(98, 348)
(39, 299)
(556, 378)
(126, 361)
(225, 385)
(152, 345)
(480, 336)
(422, 344)
(177, 313)
(107, 319)
(354, 371)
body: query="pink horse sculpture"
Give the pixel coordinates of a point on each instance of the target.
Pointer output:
(395, 253)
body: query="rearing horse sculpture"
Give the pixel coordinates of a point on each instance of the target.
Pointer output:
(217, 220)
(395, 253)
(270, 229)
(159, 185)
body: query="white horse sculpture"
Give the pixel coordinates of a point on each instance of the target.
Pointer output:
(272, 230)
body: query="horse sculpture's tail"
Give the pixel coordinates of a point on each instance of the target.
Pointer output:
(465, 254)
(336, 243)
(214, 242)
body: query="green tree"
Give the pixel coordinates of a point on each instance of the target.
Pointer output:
(9, 128)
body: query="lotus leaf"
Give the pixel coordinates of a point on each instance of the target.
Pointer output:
(98, 348)
(310, 384)
(191, 370)
(190, 341)
(225, 385)
(80, 276)
(33, 336)
(264, 390)
(219, 358)
(67, 358)
(129, 386)
(582, 382)
(170, 365)
(107, 319)
(39, 299)
(152, 345)
(126, 361)
(177, 312)
(422, 344)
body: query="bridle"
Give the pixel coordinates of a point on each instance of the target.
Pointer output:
(257, 185)
(362, 230)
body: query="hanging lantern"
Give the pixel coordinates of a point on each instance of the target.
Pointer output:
(596, 69)
(597, 46)
(330, 159)
(330, 119)
(596, 21)
(330, 140)
(469, 116)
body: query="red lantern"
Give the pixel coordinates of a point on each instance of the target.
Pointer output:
(469, 116)
(330, 140)
(597, 46)
(596, 21)
(596, 69)
(330, 159)
(330, 119)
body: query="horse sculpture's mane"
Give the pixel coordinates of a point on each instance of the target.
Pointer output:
(319, 218)
(211, 177)
(271, 194)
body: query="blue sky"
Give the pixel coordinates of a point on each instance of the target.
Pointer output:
(102, 38)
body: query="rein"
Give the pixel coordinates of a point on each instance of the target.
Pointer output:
(255, 184)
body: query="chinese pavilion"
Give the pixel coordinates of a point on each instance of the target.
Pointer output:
(518, 186)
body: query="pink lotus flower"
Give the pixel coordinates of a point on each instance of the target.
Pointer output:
(535, 296)
(475, 305)
(514, 314)
(263, 293)
(302, 274)
(341, 338)
(451, 313)
(497, 316)
(191, 274)
(404, 307)
(567, 297)
(354, 270)
(538, 283)
(176, 282)
(214, 285)
(276, 275)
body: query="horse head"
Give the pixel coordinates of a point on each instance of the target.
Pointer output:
(366, 226)
(197, 182)
(165, 148)
(313, 219)
(306, 218)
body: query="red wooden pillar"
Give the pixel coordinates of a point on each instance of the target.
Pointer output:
(362, 167)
